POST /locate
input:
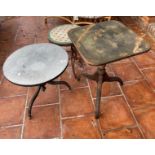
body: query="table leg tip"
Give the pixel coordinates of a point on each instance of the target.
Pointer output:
(78, 78)
(29, 116)
(121, 83)
(97, 116)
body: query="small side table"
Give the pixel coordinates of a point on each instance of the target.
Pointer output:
(103, 43)
(36, 65)
(59, 36)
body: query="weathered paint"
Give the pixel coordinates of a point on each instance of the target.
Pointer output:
(106, 42)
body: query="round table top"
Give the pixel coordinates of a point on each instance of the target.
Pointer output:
(35, 64)
(59, 34)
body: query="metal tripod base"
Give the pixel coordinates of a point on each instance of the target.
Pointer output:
(39, 87)
(100, 76)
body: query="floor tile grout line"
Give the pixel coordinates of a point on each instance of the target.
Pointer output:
(90, 93)
(133, 81)
(111, 96)
(120, 128)
(8, 97)
(138, 68)
(151, 67)
(76, 117)
(128, 81)
(44, 105)
(61, 126)
(99, 128)
(149, 83)
(24, 115)
(11, 126)
(132, 113)
(97, 121)
(145, 78)
(143, 106)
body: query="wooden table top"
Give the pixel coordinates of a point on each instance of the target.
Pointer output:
(106, 42)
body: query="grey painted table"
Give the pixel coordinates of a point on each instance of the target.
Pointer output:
(36, 65)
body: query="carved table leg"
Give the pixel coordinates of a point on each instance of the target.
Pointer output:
(100, 76)
(107, 78)
(73, 58)
(100, 72)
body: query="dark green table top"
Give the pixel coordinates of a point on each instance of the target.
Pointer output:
(105, 42)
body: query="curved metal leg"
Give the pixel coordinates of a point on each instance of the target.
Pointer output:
(60, 82)
(98, 93)
(111, 79)
(108, 78)
(73, 58)
(32, 101)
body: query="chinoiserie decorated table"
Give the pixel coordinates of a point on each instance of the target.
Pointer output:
(102, 43)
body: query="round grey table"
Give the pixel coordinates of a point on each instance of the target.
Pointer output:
(36, 65)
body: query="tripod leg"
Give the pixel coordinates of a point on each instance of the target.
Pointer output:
(60, 82)
(108, 78)
(32, 101)
(98, 92)
(73, 58)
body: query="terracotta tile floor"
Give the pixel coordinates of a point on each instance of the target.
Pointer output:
(126, 112)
